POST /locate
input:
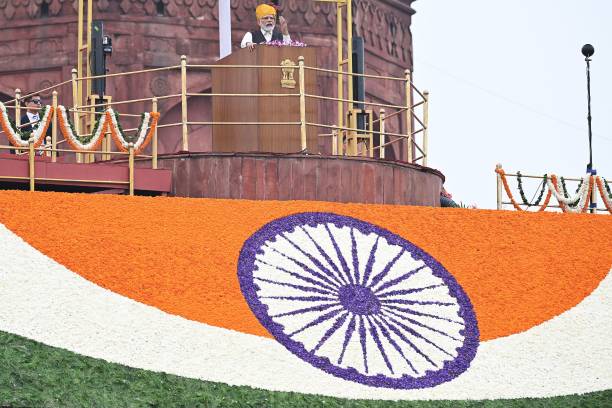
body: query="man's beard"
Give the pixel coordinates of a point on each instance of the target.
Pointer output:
(268, 28)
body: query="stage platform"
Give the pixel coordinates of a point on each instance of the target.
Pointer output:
(268, 176)
(73, 177)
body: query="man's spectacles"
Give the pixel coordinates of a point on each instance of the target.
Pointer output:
(36, 101)
(271, 18)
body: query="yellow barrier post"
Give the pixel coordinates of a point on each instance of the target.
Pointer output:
(184, 102)
(499, 187)
(131, 167)
(54, 128)
(340, 51)
(31, 163)
(75, 105)
(381, 121)
(154, 142)
(302, 103)
(18, 107)
(408, 78)
(425, 127)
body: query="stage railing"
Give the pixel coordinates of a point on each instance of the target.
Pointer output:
(347, 138)
(527, 202)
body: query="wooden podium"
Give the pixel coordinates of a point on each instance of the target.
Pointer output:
(262, 138)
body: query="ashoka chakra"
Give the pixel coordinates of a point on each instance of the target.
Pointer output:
(358, 301)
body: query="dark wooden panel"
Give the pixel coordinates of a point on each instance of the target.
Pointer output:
(398, 186)
(223, 177)
(182, 173)
(297, 179)
(345, 182)
(235, 176)
(284, 179)
(271, 179)
(332, 184)
(199, 175)
(260, 180)
(249, 178)
(368, 183)
(387, 183)
(310, 178)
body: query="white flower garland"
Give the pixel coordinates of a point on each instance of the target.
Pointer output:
(569, 200)
(581, 196)
(143, 130)
(69, 134)
(37, 132)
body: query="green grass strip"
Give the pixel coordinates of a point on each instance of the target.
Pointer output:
(35, 375)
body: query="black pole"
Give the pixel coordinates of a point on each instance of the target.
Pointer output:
(588, 51)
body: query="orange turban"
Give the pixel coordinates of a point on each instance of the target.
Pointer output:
(264, 10)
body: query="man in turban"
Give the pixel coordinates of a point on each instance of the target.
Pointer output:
(266, 18)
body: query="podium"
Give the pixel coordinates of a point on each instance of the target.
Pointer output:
(263, 81)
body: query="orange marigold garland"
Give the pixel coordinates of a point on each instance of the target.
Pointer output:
(82, 143)
(607, 202)
(143, 137)
(502, 175)
(19, 138)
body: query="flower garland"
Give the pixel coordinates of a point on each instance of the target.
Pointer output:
(109, 122)
(522, 192)
(148, 120)
(502, 175)
(291, 43)
(86, 142)
(607, 188)
(19, 138)
(583, 195)
(607, 200)
(566, 194)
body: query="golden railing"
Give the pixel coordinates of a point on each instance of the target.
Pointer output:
(346, 138)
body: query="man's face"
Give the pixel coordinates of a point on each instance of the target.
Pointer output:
(34, 103)
(268, 22)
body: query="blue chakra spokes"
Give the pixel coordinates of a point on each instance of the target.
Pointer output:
(358, 301)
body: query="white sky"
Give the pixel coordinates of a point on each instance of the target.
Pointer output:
(508, 85)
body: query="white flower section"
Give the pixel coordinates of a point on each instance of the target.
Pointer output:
(92, 142)
(44, 301)
(581, 196)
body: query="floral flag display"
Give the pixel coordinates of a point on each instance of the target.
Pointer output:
(360, 302)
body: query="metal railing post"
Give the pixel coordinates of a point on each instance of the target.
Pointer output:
(184, 102)
(425, 128)
(381, 121)
(334, 142)
(18, 107)
(302, 104)
(409, 114)
(54, 128)
(31, 163)
(154, 141)
(131, 167)
(499, 187)
(75, 103)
